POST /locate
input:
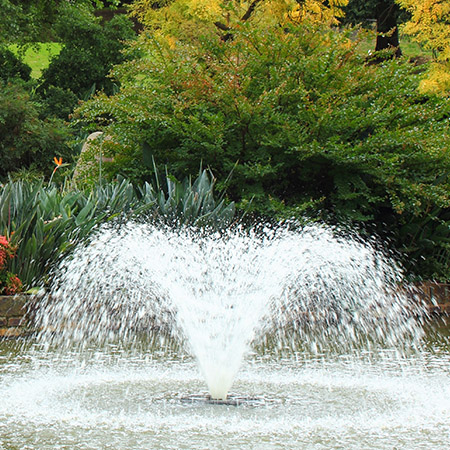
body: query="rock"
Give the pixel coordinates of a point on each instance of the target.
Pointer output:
(88, 167)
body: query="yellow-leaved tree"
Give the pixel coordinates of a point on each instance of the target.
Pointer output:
(430, 25)
(185, 19)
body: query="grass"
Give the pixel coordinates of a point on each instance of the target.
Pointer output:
(409, 47)
(38, 56)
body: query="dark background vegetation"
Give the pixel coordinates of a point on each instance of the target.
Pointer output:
(296, 130)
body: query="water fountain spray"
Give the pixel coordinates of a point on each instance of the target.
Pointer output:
(220, 294)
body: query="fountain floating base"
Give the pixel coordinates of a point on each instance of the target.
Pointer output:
(231, 400)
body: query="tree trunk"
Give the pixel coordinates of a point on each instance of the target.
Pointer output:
(387, 30)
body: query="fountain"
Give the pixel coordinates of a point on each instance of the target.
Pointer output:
(306, 330)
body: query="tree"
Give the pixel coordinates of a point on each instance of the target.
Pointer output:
(385, 13)
(183, 19)
(11, 67)
(430, 25)
(89, 50)
(387, 30)
(33, 20)
(300, 121)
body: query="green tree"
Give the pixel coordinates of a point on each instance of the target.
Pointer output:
(11, 67)
(32, 20)
(89, 51)
(26, 21)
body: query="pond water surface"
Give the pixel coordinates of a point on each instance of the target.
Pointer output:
(116, 399)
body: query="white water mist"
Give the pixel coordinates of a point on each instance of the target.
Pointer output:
(220, 293)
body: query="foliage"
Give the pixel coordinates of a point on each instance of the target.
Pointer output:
(11, 67)
(187, 202)
(33, 20)
(186, 19)
(88, 53)
(360, 12)
(364, 12)
(13, 20)
(26, 140)
(426, 237)
(9, 283)
(303, 124)
(430, 25)
(46, 222)
(57, 102)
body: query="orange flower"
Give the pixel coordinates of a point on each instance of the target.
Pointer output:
(57, 161)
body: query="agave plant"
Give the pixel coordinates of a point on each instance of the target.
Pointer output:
(187, 202)
(42, 221)
(46, 222)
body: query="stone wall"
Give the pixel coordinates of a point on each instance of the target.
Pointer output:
(12, 316)
(437, 296)
(13, 309)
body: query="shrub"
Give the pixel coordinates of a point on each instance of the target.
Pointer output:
(298, 117)
(26, 141)
(89, 51)
(57, 102)
(48, 222)
(11, 67)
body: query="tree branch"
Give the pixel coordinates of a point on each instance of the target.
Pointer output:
(250, 10)
(222, 26)
(229, 35)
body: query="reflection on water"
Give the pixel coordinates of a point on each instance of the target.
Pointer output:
(115, 399)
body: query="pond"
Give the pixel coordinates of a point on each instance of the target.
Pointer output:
(116, 398)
